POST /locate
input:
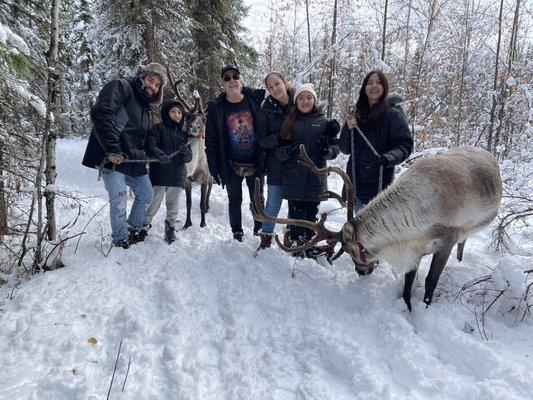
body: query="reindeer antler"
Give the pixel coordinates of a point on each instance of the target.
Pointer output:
(198, 104)
(307, 162)
(174, 86)
(322, 233)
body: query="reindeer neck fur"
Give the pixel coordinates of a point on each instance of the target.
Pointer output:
(389, 227)
(437, 202)
(198, 156)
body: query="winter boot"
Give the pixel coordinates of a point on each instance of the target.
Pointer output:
(237, 235)
(125, 244)
(287, 239)
(136, 236)
(170, 233)
(266, 240)
(143, 232)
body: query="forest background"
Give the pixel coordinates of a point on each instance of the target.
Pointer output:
(464, 68)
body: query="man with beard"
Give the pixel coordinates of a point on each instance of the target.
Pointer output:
(121, 120)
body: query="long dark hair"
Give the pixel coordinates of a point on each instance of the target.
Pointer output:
(287, 128)
(374, 119)
(290, 89)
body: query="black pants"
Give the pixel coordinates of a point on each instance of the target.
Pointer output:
(234, 189)
(306, 210)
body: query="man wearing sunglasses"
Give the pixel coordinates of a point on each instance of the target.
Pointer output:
(232, 150)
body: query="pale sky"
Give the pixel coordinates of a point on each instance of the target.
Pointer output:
(257, 20)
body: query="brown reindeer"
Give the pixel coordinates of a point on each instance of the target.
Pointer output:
(197, 168)
(438, 202)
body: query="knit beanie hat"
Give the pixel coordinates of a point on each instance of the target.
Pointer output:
(305, 87)
(155, 69)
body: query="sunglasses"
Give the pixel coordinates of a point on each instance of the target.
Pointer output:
(228, 78)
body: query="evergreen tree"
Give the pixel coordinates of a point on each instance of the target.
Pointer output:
(215, 27)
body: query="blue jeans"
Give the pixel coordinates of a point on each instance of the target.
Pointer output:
(273, 205)
(115, 184)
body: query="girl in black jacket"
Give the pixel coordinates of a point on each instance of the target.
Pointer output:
(169, 175)
(273, 112)
(387, 130)
(306, 125)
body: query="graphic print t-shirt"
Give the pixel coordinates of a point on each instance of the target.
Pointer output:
(241, 133)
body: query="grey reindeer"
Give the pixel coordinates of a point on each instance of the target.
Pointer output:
(197, 168)
(438, 202)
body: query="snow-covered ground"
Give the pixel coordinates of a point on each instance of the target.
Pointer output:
(204, 319)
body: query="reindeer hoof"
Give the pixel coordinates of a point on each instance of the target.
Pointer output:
(203, 225)
(187, 225)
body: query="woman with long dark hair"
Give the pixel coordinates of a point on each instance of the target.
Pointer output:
(273, 112)
(306, 125)
(386, 129)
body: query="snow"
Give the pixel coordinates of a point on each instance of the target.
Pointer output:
(32, 99)
(204, 319)
(8, 36)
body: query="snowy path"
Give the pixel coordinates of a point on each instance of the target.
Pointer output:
(203, 319)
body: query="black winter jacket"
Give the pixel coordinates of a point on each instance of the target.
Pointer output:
(269, 123)
(216, 140)
(396, 145)
(167, 137)
(298, 182)
(121, 119)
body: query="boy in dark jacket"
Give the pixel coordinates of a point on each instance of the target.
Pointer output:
(168, 177)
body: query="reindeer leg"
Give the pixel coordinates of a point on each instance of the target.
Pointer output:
(188, 188)
(203, 196)
(408, 285)
(460, 250)
(438, 262)
(208, 195)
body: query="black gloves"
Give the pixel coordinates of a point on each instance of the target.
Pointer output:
(381, 160)
(164, 159)
(322, 146)
(293, 150)
(332, 128)
(284, 142)
(182, 149)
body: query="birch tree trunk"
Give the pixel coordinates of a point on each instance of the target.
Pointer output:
(384, 33)
(464, 64)
(495, 82)
(47, 160)
(3, 205)
(309, 54)
(505, 89)
(49, 131)
(332, 63)
(420, 71)
(407, 38)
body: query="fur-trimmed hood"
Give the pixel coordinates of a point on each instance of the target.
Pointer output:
(165, 117)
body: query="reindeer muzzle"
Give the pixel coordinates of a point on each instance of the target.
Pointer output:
(365, 269)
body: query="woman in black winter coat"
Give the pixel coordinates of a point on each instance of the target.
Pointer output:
(273, 112)
(168, 176)
(306, 125)
(386, 129)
